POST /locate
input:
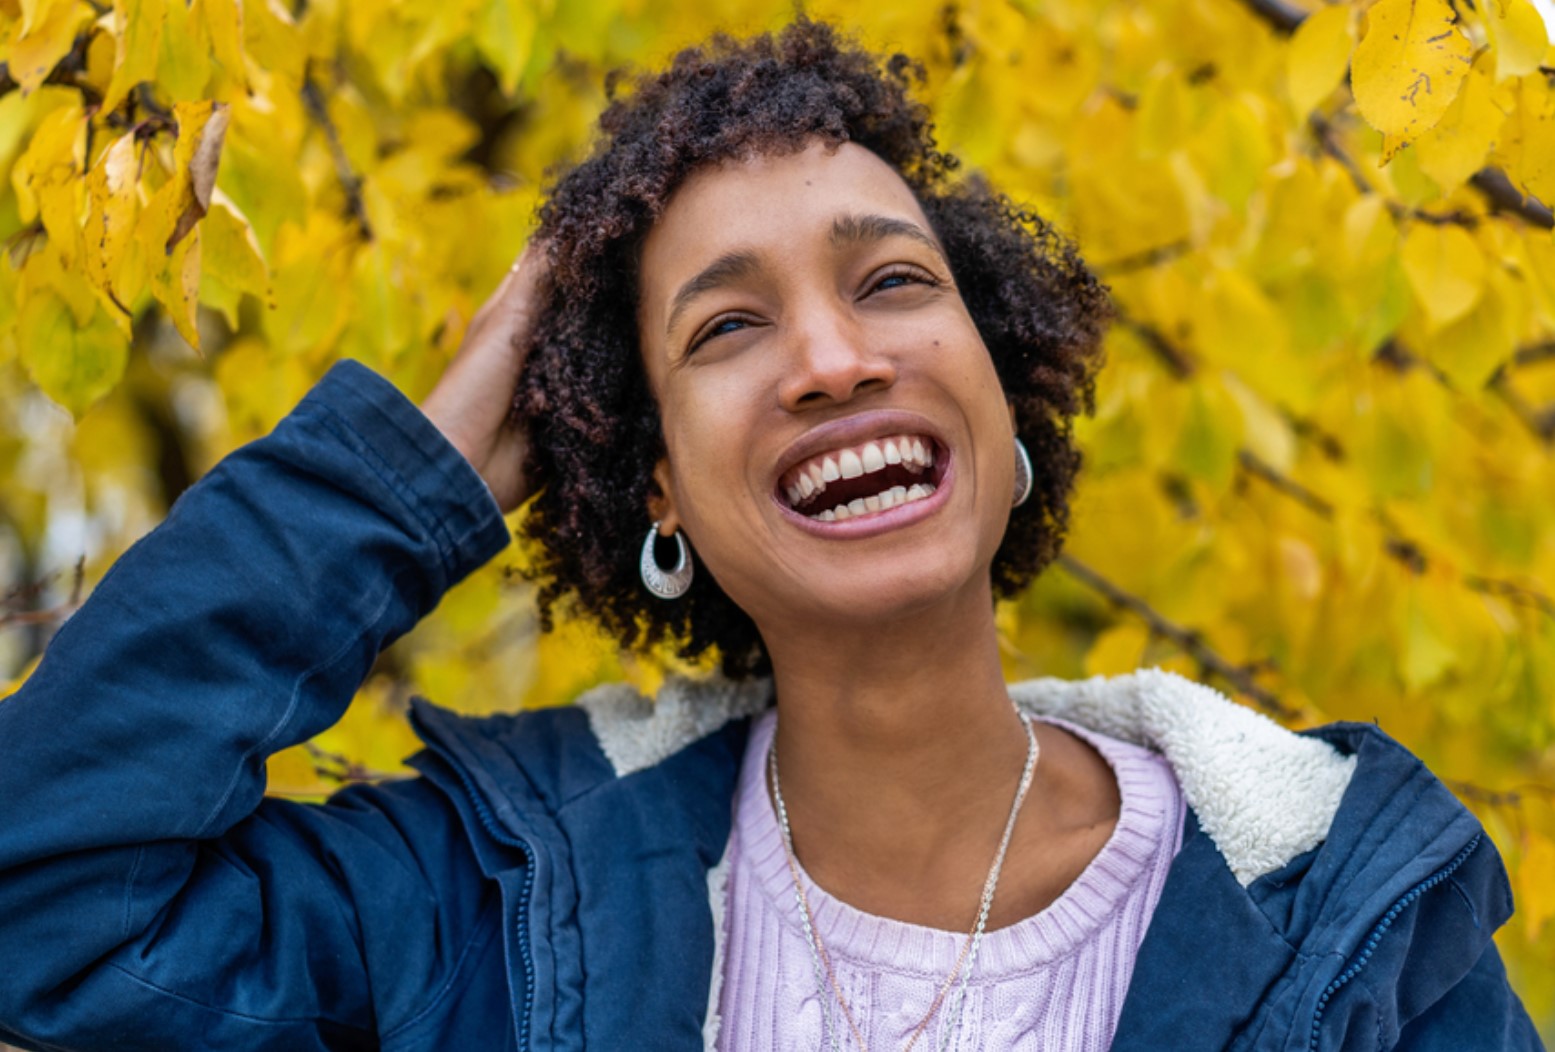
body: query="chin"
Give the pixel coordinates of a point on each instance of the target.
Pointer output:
(901, 588)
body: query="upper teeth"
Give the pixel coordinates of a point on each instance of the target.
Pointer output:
(803, 482)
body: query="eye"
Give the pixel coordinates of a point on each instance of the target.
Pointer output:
(718, 327)
(900, 276)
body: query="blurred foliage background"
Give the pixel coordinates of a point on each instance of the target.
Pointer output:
(1320, 473)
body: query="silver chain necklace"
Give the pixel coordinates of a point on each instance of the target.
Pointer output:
(832, 998)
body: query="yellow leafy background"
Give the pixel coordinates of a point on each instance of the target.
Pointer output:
(1320, 473)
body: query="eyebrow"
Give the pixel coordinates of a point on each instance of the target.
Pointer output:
(742, 263)
(731, 266)
(862, 229)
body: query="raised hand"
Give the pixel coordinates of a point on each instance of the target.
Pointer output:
(473, 401)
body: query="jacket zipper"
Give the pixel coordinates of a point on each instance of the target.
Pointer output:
(502, 836)
(1375, 938)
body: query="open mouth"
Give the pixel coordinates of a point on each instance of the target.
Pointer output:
(860, 480)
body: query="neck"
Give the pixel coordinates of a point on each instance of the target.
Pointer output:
(899, 753)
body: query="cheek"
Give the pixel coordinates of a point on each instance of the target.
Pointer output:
(708, 439)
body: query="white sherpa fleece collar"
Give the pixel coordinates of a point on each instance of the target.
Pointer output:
(1263, 794)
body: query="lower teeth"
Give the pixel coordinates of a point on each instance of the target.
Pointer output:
(880, 502)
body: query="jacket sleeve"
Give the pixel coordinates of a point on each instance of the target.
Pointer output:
(147, 891)
(1479, 1014)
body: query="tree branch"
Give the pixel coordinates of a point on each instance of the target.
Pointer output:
(1150, 257)
(1534, 353)
(64, 74)
(1191, 642)
(335, 767)
(1492, 183)
(313, 100)
(1506, 198)
(1519, 594)
(1281, 17)
(30, 592)
(1286, 485)
(1540, 421)
(1176, 360)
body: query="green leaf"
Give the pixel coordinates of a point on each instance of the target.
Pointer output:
(73, 365)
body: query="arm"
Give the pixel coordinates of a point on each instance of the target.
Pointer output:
(135, 876)
(146, 894)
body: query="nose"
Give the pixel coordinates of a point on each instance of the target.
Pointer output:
(831, 360)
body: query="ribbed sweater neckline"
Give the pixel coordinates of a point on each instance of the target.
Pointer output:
(876, 943)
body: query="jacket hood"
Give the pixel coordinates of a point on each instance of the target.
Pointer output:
(1262, 794)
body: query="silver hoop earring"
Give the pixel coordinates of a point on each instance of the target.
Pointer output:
(671, 583)
(1022, 473)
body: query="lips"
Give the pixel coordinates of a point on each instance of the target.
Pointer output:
(864, 478)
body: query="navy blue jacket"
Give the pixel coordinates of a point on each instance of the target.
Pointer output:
(546, 882)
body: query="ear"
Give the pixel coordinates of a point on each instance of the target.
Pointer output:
(661, 500)
(1014, 424)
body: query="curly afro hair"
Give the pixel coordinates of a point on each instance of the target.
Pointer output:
(594, 424)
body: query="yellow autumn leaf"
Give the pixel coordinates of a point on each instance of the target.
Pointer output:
(139, 25)
(176, 286)
(46, 178)
(291, 773)
(505, 35)
(1318, 56)
(114, 206)
(231, 262)
(1535, 878)
(224, 23)
(1530, 139)
(1518, 34)
(202, 127)
(1472, 348)
(178, 205)
(1267, 434)
(1408, 67)
(1445, 268)
(1457, 147)
(258, 386)
(1118, 650)
(374, 733)
(270, 38)
(48, 38)
(184, 64)
(75, 365)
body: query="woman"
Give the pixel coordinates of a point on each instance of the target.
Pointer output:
(786, 381)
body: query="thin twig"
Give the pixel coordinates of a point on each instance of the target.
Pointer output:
(59, 612)
(1324, 133)
(1540, 421)
(1534, 353)
(1176, 360)
(1285, 484)
(1513, 797)
(1519, 594)
(1150, 257)
(1191, 642)
(1396, 356)
(313, 99)
(337, 767)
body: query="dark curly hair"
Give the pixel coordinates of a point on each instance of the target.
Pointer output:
(594, 424)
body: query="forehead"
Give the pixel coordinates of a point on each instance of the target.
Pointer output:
(772, 203)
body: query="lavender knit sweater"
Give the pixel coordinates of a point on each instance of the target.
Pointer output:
(1054, 981)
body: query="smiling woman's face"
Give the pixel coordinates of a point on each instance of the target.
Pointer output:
(839, 447)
